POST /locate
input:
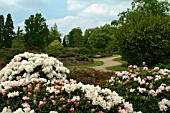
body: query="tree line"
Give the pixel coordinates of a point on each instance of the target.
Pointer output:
(37, 35)
(141, 33)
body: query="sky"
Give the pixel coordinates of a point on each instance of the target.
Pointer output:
(67, 14)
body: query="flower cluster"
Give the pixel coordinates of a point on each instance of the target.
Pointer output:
(29, 65)
(59, 93)
(37, 83)
(164, 104)
(143, 83)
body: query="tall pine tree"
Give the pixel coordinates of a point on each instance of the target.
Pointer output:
(8, 31)
(1, 30)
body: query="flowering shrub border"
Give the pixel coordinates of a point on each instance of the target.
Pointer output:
(37, 83)
(141, 84)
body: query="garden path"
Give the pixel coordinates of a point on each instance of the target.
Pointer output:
(108, 62)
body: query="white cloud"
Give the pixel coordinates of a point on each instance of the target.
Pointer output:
(16, 5)
(90, 14)
(64, 24)
(76, 4)
(98, 10)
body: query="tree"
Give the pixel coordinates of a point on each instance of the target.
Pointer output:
(75, 37)
(143, 32)
(1, 31)
(86, 36)
(100, 38)
(54, 34)
(18, 42)
(36, 31)
(8, 31)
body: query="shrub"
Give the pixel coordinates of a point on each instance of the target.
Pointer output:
(147, 90)
(8, 53)
(37, 83)
(84, 51)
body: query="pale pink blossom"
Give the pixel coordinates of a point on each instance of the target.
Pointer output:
(72, 110)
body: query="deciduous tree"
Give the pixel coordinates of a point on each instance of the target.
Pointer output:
(36, 31)
(75, 37)
(54, 34)
(143, 32)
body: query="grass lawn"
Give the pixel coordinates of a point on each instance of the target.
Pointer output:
(117, 68)
(120, 60)
(120, 67)
(96, 63)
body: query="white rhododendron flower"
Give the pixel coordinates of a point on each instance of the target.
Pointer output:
(13, 94)
(31, 64)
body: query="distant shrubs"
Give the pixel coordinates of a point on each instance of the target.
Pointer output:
(7, 54)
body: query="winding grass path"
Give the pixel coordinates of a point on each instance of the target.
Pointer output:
(108, 62)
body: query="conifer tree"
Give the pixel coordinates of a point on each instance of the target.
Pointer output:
(1, 30)
(8, 32)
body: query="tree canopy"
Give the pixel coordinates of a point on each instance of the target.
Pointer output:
(6, 31)
(100, 38)
(36, 31)
(143, 32)
(54, 34)
(1, 31)
(75, 37)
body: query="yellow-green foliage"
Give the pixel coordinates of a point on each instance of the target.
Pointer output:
(56, 43)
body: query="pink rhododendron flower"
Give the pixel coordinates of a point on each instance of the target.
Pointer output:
(62, 99)
(156, 68)
(93, 110)
(69, 101)
(54, 102)
(167, 88)
(88, 102)
(76, 104)
(52, 97)
(30, 86)
(25, 98)
(29, 94)
(72, 110)
(64, 106)
(37, 89)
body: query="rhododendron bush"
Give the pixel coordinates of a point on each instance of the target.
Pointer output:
(37, 83)
(147, 89)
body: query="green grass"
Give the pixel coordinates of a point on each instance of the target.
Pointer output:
(120, 60)
(117, 68)
(96, 63)
(120, 67)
